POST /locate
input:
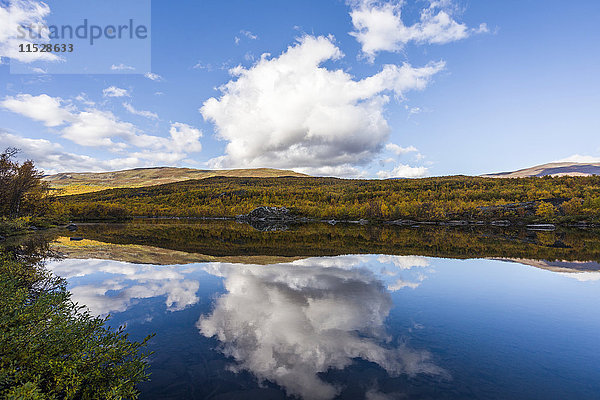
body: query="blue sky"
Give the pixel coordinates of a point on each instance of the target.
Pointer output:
(349, 88)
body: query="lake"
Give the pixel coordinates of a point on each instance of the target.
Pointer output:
(348, 312)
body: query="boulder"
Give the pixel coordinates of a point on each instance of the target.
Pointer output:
(72, 227)
(268, 214)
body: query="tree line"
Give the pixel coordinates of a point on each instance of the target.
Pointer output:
(548, 199)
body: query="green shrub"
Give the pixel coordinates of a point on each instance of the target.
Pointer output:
(52, 348)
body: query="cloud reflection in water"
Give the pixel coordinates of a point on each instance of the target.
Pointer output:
(125, 282)
(288, 322)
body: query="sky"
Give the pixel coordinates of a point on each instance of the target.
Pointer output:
(356, 88)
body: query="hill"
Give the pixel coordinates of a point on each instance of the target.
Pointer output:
(525, 200)
(86, 182)
(552, 169)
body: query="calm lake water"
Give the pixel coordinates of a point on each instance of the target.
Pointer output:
(353, 327)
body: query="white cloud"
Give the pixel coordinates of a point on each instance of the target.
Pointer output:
(287, 323)
(403, 171)
(153, 77)
(185, 138)
(379, 26)
(83, 98)
(290, 112)
(13, 17)
(210, 67)
(52, 158)
(143, 113)
(122, 67)
(48, 110)
(98, 128)
(114, 91)
(578, 158)
(399, 150)
(413, 110)
(247, 34)
(344, 171)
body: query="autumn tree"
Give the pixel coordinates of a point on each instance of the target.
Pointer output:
(22, 191)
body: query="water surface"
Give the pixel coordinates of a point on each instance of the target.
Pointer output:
(359, 326)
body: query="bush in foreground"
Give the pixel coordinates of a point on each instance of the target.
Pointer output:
(51, 348)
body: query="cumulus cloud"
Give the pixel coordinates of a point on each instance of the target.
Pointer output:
(142, 113)
(287, 323)
(97, 128)
(185, 137)
(52, 158)
(399, 150)
(291, 112)
(403, 171)
(51, 111)
(379, 26)
(114, 91)
(13, 17)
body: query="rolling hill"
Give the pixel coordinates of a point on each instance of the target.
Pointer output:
(552, 169)
(86, 182)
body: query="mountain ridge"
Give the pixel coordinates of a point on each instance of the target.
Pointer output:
(85, 182)
(551, 169)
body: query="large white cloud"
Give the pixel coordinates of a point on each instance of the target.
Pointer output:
(379, 26)
(292, 112)
(15, 15)
(287, 323)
